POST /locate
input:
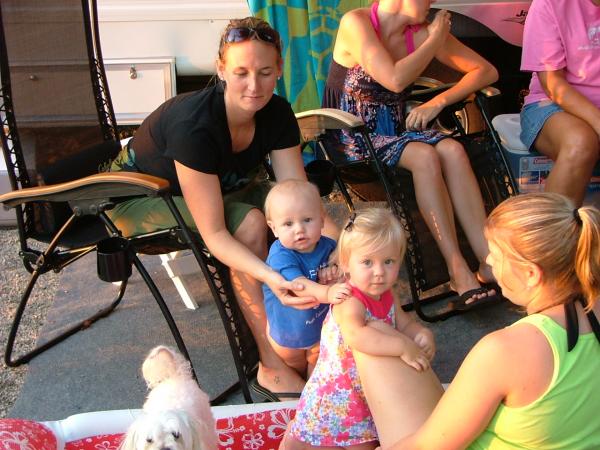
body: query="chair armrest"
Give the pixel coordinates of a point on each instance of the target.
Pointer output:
(97, 186)
(424, 95)
(488, 91)
(314, 122)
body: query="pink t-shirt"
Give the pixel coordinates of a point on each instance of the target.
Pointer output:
(563, 34)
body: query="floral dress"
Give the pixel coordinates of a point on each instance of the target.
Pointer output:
(332, 410)
(355, 91)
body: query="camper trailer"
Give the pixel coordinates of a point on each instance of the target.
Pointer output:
(154, 48)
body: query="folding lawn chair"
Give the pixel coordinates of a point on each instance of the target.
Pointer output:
(58, 133)
(371, 180)
(307, 55)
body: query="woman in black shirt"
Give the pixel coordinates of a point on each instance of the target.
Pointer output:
(210, 145)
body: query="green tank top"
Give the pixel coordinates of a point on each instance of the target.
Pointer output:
(567, 415)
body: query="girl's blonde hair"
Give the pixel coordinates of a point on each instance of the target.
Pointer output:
(563, 241)
(372, 228)
(292, 188)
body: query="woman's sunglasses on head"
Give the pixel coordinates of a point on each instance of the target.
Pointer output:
(241, 34)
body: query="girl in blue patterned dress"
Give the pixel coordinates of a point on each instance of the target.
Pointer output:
(379, 52)
(332, 411)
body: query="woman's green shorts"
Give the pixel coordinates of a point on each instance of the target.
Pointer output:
(148, 214)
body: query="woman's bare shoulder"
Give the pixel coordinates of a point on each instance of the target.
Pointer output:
(515, 342)
(354, 32)
(355, 17)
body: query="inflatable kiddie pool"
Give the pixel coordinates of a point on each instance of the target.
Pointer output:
(240, 427)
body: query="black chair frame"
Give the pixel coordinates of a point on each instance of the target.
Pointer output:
(488, 162)
(89, 198)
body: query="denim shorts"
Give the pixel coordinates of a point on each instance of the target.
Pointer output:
(533, 118)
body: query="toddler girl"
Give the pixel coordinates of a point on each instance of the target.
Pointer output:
(332, 411)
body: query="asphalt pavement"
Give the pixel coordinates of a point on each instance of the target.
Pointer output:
(99, 368)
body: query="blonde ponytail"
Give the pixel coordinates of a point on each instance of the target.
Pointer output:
(547, 230)
(587, 258)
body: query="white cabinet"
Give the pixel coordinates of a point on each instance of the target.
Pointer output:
(138, 86)
(188, 30)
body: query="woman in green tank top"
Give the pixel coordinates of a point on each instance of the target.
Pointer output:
(535, 384)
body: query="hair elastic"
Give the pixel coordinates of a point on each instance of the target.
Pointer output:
(577, 216)
(350, 223)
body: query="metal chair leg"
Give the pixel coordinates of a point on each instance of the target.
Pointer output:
(86, 323)
(225, 300)
(41, 266)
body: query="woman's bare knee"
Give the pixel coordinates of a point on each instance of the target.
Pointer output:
(452, 154)
(567, 137)
(580, 149)
(252, 232)
(421, 160)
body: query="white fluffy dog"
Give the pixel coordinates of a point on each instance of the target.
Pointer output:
(170, 429)
(176, 414)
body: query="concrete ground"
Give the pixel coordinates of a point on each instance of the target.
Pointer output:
(99, 368)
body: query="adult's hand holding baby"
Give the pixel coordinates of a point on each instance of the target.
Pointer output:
(290, 292)
(329, 274)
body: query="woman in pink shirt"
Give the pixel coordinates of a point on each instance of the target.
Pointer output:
(561, 116)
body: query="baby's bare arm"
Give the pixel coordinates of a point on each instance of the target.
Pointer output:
(334, 293)
(420, 334)
(375, 337)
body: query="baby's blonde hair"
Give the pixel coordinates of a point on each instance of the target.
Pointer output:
(372, 228)
(292, 188)
(563, 241)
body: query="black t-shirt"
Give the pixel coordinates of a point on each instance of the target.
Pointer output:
(192, 129)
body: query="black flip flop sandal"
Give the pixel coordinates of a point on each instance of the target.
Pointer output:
(272, 396)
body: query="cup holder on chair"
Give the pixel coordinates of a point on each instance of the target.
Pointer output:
(114, 259)
(322, 173)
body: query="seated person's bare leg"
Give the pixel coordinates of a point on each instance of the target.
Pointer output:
(292, 357)
(574, 147)
(399, 397)
(435, 205)
(273, 373)
(467, 202)
(312, 355)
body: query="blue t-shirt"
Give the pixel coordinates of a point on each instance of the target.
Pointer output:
(291, 327)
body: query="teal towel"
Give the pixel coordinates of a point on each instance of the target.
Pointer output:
(308, 30)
